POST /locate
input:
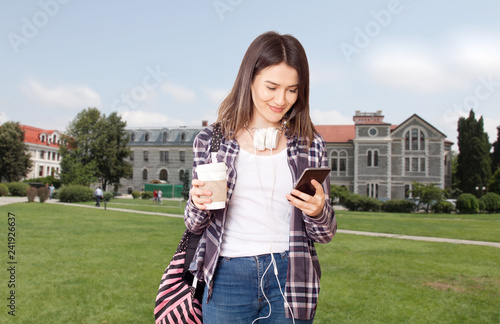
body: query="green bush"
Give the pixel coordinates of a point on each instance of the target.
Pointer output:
(18, 189)
(398, 206)
(107, 196)
(4, 190)
(136, 194)
(443, 207)
(340, 192)
(467, 204)
(147, 195)
(43, 194)
(362, 203)
(490, 202)
(31, 194)
(75, 193)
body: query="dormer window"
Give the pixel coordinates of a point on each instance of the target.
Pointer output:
(146, 137)
(183, 137)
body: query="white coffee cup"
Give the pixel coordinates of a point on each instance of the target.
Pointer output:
(215, 178)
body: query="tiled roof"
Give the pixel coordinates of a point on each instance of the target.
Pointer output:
(336, 133)
(32, 135)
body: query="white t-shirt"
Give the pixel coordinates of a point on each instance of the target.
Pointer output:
(258, 219)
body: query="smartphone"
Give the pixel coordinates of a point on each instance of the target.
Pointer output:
(304, 184)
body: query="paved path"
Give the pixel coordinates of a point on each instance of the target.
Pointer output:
(11, 200)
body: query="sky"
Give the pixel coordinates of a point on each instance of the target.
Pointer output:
(170, 63)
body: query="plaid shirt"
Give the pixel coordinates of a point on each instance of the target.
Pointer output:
(302, 287)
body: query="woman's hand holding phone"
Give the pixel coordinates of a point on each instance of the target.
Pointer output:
(311, 205)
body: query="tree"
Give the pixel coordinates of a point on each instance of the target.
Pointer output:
(95, 147)
(15, 162)
(474, 166)
(428, 194)
(494, 185)
(495, 155)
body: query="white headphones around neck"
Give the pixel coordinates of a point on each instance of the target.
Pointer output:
(266, 138)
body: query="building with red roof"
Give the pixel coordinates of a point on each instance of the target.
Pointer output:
(374, 158)
(44, 149)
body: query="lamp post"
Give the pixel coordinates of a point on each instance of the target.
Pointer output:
(480, 190)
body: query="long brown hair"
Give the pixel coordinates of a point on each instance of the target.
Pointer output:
(266, 50)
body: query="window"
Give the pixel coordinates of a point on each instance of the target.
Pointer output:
(132, 137)
(181, 175)
(407, 164)
(132, 156)
(48, 155)
(163, 175)
(146, 137)
(407, 191)
(40, 171)
(417, 140)
(53, 156)
(42, 154)
(414, 164)
(146, 156)
(42, 138)
(164, 156)
(372, 158)
(131, 175)
(372, 131)
(145, 174)
(422, 164)
(372, 190)
(334, 161)
(414, 139)
(182, 156)
(339, 161)
(183, 137)
(343, 161)
(165, 136)
(54, 140)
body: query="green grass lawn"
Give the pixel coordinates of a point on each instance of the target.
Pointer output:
(479, 227)
(85, 265)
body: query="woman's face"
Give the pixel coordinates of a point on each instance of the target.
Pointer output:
(274, 91)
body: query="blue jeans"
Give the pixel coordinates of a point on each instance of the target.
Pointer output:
(237, 295)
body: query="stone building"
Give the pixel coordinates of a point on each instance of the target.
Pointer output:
(159, 154)
(374, 158)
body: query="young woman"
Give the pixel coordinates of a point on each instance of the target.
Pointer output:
(257, 255)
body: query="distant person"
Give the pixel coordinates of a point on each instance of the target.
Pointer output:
(98, 196)
(51, 188)
(160, 194)
(155, 196)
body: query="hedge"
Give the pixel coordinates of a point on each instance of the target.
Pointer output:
(443, 207)
(75, 193)
(147, 195)
(398, 206)
(356, 202)
(490, 202)
(4, 190)
(467, 204)
(18, 189)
